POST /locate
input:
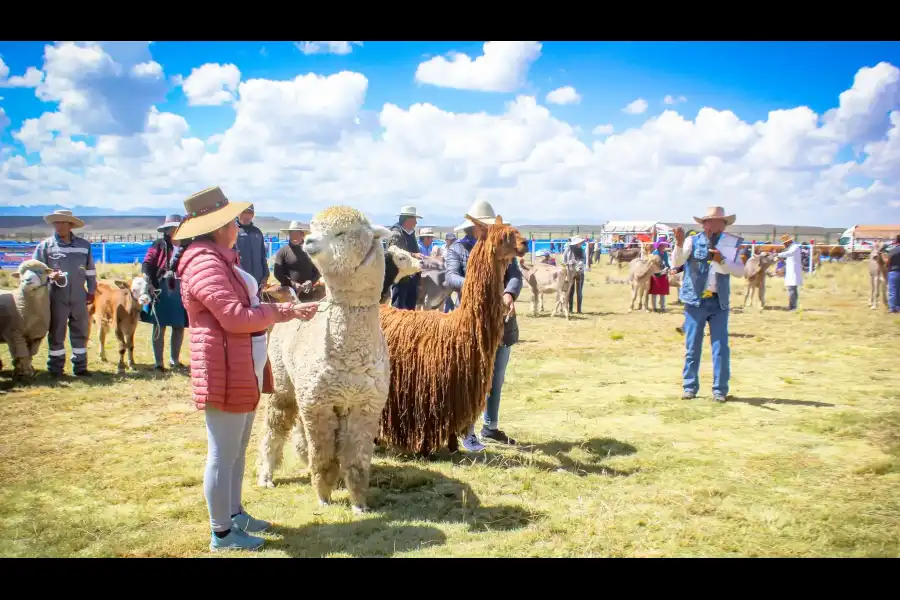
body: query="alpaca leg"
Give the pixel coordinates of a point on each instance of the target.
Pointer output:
(748, 295)
(534, 305)
(321, 424)
(634, 293)
(646, 293)
(873, 299)
(298, 439)
(354, 446)
(761, 293)
(884, 287)
(281, 414)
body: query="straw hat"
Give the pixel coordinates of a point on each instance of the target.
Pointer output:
(171, 222)
(787, 238)
(480, 211)
(716, 212)
(295, 226)
(426, 232)
(409, 211)
(64, 216)
(576, 241)
(206, 211)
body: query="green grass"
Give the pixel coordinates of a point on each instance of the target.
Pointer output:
(804, 462)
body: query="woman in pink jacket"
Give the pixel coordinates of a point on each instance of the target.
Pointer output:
(229, 367)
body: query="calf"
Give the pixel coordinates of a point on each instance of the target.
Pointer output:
(755, 272)
(546, 279)
(118, 305)
(640, 272)
(432, 292)
(398, 263)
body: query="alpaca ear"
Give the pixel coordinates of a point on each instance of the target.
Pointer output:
(15, 274)
(381, 232)
(480, 228)
(498, 220)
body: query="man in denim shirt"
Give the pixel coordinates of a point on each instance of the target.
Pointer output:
(705, 293)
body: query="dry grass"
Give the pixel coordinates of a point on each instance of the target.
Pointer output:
(804, 462)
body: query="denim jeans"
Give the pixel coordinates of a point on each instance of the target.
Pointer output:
(893, 289)
(448, 303)
(492, 410)
(792, 297)
(695, 320)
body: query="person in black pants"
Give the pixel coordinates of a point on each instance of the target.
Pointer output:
(403, 235)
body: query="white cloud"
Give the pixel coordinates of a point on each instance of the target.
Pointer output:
(4, 120)
(30, 79)
(305, 143)
(212, 84)
(564, 95)
(502, 68)
(326, 47)
(637, 107)
(669, 99)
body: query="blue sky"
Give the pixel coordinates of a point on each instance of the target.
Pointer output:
(749, 79)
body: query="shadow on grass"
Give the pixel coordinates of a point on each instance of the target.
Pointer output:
(397, 496)
(99, 378)
(531, 455)
(761, 402)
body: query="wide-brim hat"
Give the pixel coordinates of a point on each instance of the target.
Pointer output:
(409, 211)
(172, 221)
(206, 211)
(426, 232)
(64, 216)
(787, 238)
(296, 226)
(716, 212)
(481, 211)
(577, 241)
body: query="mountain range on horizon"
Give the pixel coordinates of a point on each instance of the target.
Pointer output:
(39, 210)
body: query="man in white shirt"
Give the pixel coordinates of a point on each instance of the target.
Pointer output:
(705, 292)
(793, 269)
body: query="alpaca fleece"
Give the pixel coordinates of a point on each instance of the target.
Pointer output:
(25, 315)
(332, 373)
(442, 364)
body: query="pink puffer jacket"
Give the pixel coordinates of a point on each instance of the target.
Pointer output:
(221, 321)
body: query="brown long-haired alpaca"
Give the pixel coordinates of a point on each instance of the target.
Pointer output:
(442, 364)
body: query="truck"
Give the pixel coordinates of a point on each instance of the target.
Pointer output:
(859, 240)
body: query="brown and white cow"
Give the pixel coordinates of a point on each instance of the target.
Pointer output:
(118, 305)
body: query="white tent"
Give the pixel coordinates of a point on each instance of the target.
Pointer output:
(632, 228)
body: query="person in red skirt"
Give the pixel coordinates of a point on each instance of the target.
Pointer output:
(659, 284)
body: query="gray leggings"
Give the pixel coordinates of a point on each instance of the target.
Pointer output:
(159, 338)
(228, 435)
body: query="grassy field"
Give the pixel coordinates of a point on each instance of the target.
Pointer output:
(804, 461)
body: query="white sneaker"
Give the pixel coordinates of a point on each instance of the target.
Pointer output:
(472, 444)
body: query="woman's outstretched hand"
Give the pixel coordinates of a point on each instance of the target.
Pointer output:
(306, 310)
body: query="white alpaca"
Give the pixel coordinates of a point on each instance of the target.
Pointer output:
(334, 370)
(25, 315)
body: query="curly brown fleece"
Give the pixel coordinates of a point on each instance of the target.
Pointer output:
(441, 364)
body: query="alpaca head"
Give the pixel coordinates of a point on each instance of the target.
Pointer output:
(32, 275)
(506, 241)
(347, 250)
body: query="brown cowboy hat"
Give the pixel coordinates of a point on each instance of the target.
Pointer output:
(64, 216)
(716, 212)
(206, 211)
